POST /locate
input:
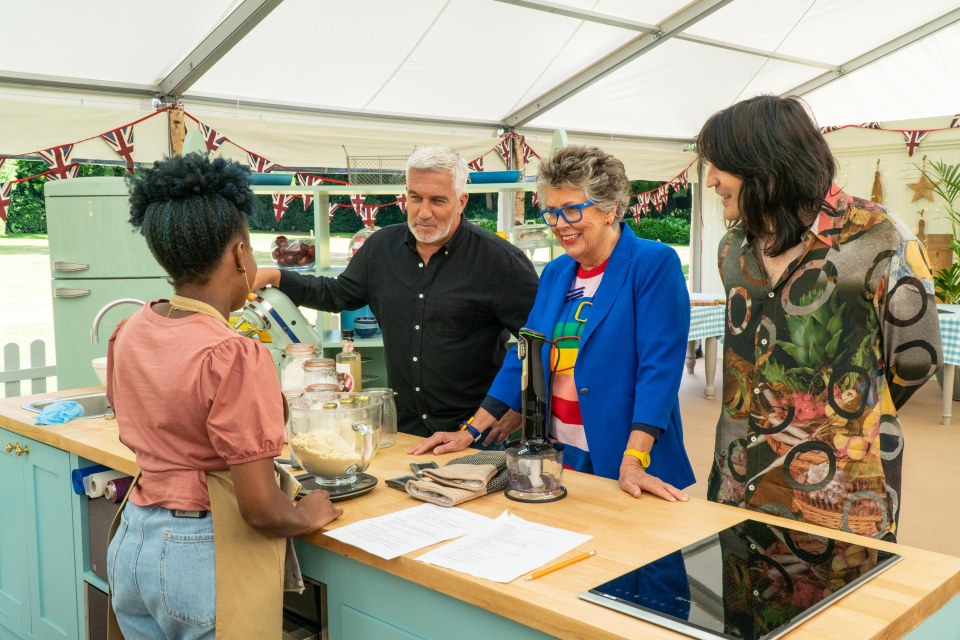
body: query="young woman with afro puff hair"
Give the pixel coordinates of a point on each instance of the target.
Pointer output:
(200, 541)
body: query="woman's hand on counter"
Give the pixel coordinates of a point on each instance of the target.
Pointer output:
(264, 507)
(634, 479)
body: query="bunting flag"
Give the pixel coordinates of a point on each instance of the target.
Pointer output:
(953, 125)
(211, 138)
(121, 140)
(503, 150)
(913, 139)
(636, 211)
(368, 214)
(679, 183)
(528, 153)
(259, 164)
(870, 125)
(3, 161)
(5, 188)
(357, 202)
(281, 202)
(308, 180)
(535, 199)
(476, 164)
(333, 207)
(824, 130)
(402, 202)
(58, 159)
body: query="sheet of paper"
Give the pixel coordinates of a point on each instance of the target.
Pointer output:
(404, 531)
(504, 549)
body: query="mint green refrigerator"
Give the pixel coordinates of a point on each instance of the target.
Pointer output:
(95, 257)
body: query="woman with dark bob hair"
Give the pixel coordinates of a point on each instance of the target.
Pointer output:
(831, 326)
(200, 540)
(616, 311)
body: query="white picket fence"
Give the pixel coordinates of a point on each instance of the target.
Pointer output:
(36, 371)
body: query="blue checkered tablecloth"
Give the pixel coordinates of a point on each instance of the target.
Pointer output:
(950, 332)
(708, 321)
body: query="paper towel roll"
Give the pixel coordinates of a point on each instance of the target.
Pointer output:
(117, 489)
(77, 477)
(95, 483)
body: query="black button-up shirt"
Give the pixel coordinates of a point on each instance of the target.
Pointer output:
(445, 322)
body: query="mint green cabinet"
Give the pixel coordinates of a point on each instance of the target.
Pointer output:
(38, 572)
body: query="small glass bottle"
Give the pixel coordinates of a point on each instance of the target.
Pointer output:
(319, 371)
(348, 365)
(291, 369)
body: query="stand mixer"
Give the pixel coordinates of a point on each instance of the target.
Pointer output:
(272, 311)
(535, 465)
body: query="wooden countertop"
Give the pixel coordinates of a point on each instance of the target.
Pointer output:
(626, 533)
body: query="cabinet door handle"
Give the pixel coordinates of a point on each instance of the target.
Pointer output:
(9, 447)
(65, 292)
(70, 266)
(21, 451)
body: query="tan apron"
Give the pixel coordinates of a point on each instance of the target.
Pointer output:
(249, 564)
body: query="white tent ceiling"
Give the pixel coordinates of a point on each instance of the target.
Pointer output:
(307, 82)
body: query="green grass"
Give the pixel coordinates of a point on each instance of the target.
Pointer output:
(23, 249)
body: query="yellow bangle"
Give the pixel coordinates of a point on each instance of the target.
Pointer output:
(642, 456)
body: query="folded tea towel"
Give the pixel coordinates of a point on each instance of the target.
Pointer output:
(443, 495)
(501, 480)
(463, 476)
(59, 412)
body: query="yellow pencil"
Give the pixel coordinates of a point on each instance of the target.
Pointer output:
(561, 565)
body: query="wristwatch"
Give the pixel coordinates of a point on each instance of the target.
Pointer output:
(642, 456)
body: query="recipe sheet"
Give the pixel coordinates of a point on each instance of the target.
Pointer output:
(404, 531)
(504, 549)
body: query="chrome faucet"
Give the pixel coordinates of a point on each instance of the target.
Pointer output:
(95, 329)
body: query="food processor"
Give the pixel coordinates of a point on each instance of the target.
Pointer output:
(534, 465)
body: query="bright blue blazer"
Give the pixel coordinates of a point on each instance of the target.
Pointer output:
(631, 356)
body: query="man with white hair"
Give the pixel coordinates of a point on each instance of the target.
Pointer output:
(446, 293)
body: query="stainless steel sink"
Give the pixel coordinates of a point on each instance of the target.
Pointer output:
(94, 405)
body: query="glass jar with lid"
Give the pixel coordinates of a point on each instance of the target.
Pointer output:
(319, 371)
(291, 368)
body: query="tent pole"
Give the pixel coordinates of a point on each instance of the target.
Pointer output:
(178, 130)
(696, 235)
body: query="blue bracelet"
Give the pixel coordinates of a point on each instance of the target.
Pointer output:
(472, 430)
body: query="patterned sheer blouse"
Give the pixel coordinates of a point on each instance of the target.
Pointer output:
(816, 365)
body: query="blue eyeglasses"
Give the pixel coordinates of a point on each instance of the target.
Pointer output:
(552, 216)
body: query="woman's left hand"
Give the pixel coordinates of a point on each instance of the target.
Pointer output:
(634, 479)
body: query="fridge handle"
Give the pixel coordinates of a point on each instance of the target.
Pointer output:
(65, 292)
(70, 266)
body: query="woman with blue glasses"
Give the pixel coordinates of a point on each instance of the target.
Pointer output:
(617, 312)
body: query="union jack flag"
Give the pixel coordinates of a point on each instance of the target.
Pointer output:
(953, 125)
(308, 180)
(402, 202)
(5, 188)
(357, 202)
(58, 159)
(824, 130)
(476, 164)
(368, 214)
(913, 139)
(637, 211)
(870, 125)
(333, 207)
(211, 138)
(535, 199)
(503, 149)
(680, 182)
(121, 140)
(529, 153)
(281, 202)
(259, 164)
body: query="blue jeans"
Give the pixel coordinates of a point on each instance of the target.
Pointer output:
(162, 575)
